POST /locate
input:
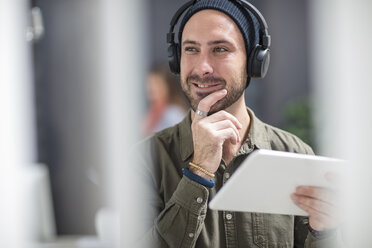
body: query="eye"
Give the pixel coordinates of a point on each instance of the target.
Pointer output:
(219, 50)
(190, 50)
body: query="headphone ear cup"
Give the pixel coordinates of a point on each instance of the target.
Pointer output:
(174, 58)
(259, 61)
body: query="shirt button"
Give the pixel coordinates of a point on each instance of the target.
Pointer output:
(228, 216)
(199, 200)
(191, 235)
(227, 175)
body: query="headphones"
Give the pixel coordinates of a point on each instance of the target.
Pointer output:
(257, 61)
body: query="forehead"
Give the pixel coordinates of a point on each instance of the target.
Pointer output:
(211, 24)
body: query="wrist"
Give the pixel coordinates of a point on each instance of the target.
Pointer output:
(320, 234)
(196, 178)
(205, 163)
(199, 173)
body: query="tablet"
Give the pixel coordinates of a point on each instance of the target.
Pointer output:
(265, 180)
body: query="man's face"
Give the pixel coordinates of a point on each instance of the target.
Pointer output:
(213, 57)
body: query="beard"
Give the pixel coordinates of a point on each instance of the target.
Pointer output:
(234, 91)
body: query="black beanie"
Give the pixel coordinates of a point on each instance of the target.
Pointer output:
(244, 19)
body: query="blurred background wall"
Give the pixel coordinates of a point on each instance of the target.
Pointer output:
(67, 76)
(70, 83)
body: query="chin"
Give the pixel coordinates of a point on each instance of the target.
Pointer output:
(218, 107)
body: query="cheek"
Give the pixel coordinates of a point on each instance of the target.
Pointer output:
(184, 64)
(243, 64)
(236, 65)
(183, 82)
(184, 69)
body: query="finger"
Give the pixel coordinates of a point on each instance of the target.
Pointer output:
(319, 221)
(224, 124)
(207, 102)
(228, 134)
(323, 194)
(223, 115)
(315, 204)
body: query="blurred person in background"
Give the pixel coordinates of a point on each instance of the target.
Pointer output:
(167, 104)
(222, 44)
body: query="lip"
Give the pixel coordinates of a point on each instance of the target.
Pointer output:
(211, 87)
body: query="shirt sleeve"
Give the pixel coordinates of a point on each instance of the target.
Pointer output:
(176, 223)
(180, 222)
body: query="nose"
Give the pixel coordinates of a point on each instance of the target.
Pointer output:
(204, 66)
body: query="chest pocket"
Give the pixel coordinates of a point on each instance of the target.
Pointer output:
(271, 230)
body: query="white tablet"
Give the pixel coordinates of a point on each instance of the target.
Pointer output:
(265, 180)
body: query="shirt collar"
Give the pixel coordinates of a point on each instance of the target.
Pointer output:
(257, 135)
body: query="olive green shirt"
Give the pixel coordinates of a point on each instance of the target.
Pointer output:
(177, 213)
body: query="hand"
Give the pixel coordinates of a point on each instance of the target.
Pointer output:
(211, 132)
(321, 204)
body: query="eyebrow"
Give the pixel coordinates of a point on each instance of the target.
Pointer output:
(215, 42)
(190, 42)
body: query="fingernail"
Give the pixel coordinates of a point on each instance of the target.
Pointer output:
(224, 91)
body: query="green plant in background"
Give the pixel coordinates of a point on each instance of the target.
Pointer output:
(298, 119)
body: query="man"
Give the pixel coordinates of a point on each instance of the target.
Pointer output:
(191, 161)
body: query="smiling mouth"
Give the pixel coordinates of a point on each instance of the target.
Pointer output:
(203, 86)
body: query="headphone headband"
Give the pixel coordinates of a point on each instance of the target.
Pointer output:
(266, 39)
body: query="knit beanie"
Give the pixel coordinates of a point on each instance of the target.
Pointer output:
(244, 19)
